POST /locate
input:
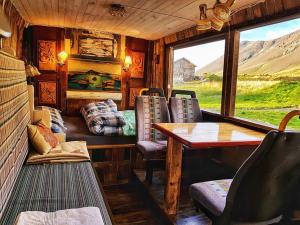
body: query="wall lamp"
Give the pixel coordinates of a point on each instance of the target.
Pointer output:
(127, 63)
(62, 57)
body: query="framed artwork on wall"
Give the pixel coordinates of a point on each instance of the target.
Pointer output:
(132, 94)
(138, 64)
(47, 55)
(93, 45)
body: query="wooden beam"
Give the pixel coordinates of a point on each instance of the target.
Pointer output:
(231, 60)
(169, 71)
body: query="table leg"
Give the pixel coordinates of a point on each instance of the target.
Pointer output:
(173, 173)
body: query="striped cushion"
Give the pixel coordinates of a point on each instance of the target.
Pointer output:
(53, 187)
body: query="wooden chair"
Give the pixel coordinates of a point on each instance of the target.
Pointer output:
(263, 187)
(150, 142)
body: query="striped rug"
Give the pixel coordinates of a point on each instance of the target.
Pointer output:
(52, 187)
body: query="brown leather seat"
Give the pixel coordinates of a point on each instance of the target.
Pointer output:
(150, 142)
(262, 188)
(184, 110)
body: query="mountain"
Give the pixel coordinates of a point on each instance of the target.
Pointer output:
(263, 57)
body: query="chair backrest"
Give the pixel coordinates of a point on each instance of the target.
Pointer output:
(264, 185)
(184, 110)
(14, 118)
(149, 110)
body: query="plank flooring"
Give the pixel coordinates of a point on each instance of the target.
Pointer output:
(129, 206)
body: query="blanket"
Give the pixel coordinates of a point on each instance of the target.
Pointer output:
(102, 118)
(73, 151)
(80, 216)
(129, 127)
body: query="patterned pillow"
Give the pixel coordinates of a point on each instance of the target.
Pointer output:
(57, 123)
(42, 138)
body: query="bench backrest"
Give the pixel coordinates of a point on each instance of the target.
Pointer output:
(14, 118)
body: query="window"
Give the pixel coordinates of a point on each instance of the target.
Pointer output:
(200, 68)
(268, 81)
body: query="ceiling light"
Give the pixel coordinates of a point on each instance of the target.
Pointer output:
(117, 10)
(203, 23)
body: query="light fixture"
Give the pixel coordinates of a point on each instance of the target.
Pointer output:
(127, 63)
(203, 23)
(117, 10)
(62, 57)
(220, 14)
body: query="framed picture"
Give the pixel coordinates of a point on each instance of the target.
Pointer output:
(94, 81)
(137, 67)
(93, 45)
(133, 92)
(47, 55)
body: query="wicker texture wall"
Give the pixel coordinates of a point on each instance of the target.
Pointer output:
(14, 117)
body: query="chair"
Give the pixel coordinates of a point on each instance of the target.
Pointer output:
(150, 142)
(263, 187)
(184, 110)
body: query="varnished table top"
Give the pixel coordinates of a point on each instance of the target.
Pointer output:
(210, 134)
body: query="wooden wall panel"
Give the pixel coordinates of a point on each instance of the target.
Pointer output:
(17, 25)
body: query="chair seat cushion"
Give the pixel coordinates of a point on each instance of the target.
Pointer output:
(152, 149)
(211, 194)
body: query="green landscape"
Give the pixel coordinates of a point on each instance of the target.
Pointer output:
(261, 101)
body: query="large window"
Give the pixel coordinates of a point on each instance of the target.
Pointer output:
(268, 82)
(200, 68)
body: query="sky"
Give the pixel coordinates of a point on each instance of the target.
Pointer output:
(202, 55)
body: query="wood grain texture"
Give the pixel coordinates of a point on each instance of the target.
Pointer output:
(173, 172)
(95, 15)
(208, 134)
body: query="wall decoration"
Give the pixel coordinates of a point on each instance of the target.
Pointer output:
(47, 93)
(137, 67)
(92, 80)
(95, 45)
(47, 55)
(132, 94)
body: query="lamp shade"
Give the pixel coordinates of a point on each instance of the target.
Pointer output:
(5, 29)
(62, 57)
(128, 60)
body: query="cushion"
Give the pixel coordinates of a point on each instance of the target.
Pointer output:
(57, 123)
(152, 149)
(211, 194)
(42, 138)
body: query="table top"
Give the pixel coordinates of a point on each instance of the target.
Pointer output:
(208, 134)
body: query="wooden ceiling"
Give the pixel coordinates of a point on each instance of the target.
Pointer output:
(94, 14)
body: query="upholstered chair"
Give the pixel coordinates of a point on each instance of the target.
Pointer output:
(151, 143)
(183, 109)
(261, 190)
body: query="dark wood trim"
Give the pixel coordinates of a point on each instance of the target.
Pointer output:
(95, 147)
(230, 70)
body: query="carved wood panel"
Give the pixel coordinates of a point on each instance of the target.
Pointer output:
(47, 93)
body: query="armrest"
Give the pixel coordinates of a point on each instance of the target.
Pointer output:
(42, 115)
(61, 137)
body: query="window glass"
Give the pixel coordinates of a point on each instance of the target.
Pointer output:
(200, 68)
(268, 82)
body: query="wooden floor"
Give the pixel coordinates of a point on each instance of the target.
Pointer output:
(130, 207)
(138, 202)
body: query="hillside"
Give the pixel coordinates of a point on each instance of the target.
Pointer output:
(264, 57)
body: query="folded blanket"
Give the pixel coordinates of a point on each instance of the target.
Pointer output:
(72, 151)
(103, 119)
(80, 216)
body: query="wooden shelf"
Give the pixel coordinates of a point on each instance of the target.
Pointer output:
(94, 95)
(90, 59)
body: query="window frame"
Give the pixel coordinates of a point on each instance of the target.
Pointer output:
(232, 38)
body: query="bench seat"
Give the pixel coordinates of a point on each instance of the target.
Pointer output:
(52, 187)
(77, 130)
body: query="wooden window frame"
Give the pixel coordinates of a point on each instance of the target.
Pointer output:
(230, 71)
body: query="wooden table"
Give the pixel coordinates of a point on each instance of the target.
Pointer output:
(198, 136)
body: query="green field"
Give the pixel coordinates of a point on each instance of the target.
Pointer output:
(261, 101)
